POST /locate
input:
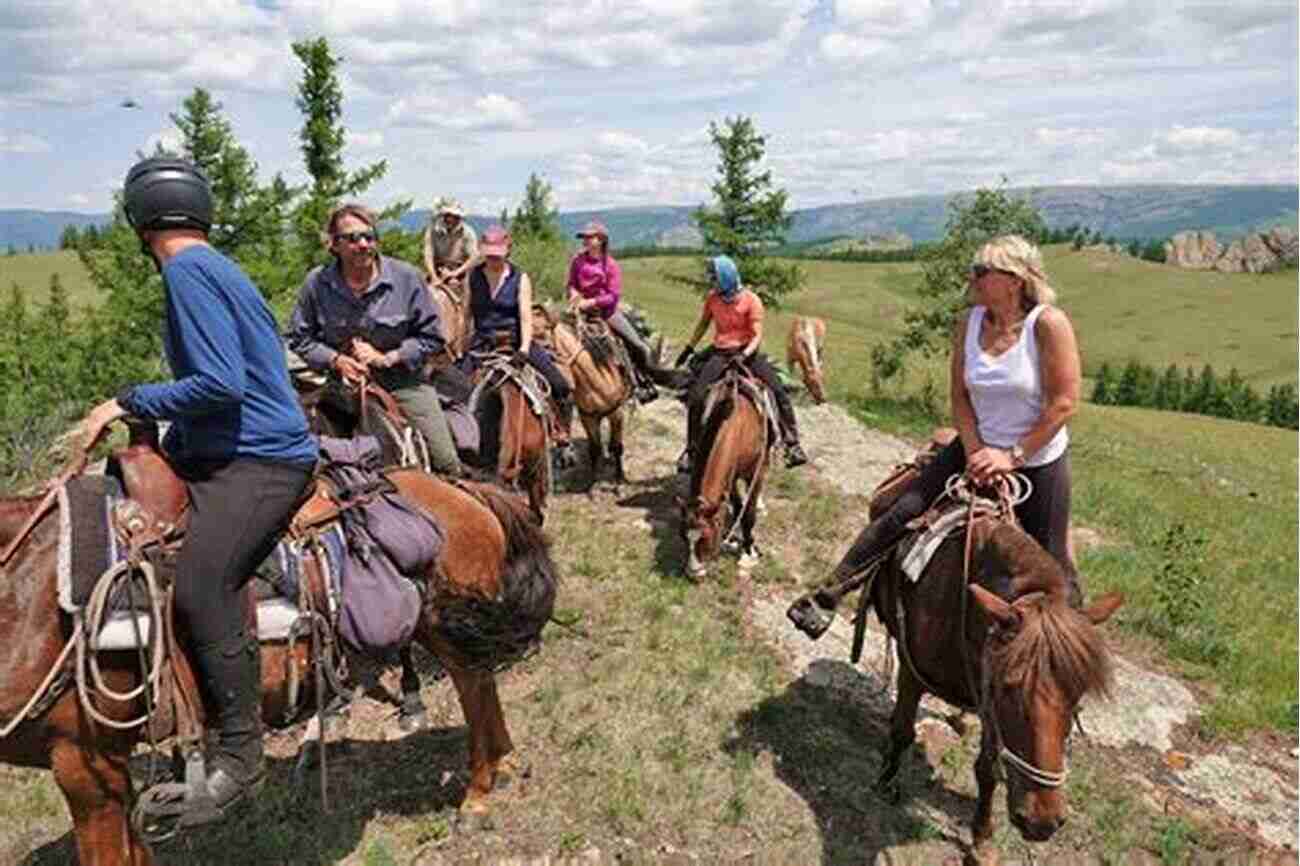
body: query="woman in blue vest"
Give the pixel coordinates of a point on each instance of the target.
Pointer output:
(501, 307)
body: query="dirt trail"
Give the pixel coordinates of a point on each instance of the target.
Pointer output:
(1237, 789)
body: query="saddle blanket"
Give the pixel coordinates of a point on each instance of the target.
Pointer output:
(88, 547)
(927, 541)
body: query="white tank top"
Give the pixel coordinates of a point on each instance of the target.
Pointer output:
(1006, 391)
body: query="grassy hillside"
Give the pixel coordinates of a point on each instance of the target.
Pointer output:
(1139, 474)
(32, 272)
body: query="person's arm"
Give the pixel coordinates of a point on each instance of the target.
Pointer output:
(575, 296)
(205, 331)
(963, 411)
(304, 334)
(607, 300)
(525, 313)
(701, 327)
(471, 253)
(756, 321)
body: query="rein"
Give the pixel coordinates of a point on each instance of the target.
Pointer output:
(1012, 490)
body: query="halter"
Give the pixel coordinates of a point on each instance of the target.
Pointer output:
(1012, 490)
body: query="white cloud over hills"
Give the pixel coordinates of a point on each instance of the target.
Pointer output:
(611, 101)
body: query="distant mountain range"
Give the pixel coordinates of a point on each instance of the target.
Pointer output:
(1133, 211)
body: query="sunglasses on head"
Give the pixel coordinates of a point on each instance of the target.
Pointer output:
(357, 237)
(978, 271)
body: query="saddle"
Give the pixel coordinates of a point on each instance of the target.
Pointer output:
(737, 380)
(496, 369)
(335, 409)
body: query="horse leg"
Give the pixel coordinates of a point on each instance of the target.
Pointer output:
(986, 777)
(595, 451)
(616, 447)
(749, 554)
(500, 748)
(97, 787)
(471, 692)
(902, 732)
(412, 715)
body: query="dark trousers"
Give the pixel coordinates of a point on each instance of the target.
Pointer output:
(238, 510)
(715, 363)
(637, 349)
(1045, 515)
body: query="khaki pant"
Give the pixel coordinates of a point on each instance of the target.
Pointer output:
(419, 402)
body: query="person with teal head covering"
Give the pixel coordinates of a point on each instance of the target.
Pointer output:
(736, 314)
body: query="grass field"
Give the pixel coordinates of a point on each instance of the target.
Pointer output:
(1229, 619)
(32, 272)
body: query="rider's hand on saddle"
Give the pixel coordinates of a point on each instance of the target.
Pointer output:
(684, 356)
(348, 367)
(988, 463)
(89, 431)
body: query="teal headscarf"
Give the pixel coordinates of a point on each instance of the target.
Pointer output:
(727, 277)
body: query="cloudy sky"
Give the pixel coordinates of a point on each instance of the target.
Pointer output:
(611, 101)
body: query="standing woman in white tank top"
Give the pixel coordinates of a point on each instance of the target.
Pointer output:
(1015, 382)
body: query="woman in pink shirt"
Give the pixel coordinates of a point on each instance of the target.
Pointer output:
(595, 285)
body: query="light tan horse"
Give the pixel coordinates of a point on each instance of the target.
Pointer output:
(452, 301)
(602, 384)
(803, 349)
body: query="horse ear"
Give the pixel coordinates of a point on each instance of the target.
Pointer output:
(998, 610)
(1101, 609)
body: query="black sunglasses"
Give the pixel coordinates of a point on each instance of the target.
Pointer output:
(356, 237)
(978, 271)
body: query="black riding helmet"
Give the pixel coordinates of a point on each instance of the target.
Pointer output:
(167, 193)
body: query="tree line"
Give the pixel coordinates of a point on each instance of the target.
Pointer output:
(1139, 384)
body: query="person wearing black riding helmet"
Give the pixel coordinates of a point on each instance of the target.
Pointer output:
(239, 439)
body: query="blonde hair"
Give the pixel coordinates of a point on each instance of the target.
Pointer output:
(1015, 255)
(348, 208)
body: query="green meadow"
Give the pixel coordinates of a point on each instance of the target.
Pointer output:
(32, 271)
(1197, 516)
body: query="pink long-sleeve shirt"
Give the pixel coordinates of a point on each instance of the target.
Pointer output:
(597, 279)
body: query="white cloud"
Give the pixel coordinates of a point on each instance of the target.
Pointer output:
(621, 143)
(1194, 138)
(492, 111)
(22, 142)
(170, 140)
(78, 200)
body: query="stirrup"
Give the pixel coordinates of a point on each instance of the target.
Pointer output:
(167, 808)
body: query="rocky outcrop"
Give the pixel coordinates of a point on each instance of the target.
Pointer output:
(1256, 253)
(1195, 250)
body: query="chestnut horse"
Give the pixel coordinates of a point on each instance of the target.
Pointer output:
(602, 386)
(804, 349)
(494, 576)
(734, 449)
(515, 438)
(453, 314)
(994, 633)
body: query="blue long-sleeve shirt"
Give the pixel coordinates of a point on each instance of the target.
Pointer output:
(231, 396)
(394, 313)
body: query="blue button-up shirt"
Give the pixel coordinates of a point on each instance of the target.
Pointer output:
(395, 312)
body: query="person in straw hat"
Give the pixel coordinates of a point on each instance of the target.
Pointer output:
(450, 245)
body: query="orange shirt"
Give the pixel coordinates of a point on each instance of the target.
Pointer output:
(734, 325)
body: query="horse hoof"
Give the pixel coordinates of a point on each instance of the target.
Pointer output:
(474, 814)
(750, 558)
(508, 771)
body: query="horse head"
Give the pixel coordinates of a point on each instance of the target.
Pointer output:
(1040, 658)
(701, 523)
(804, 350)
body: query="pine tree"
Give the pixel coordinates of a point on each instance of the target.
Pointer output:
(320, 99)
(1169, 391)
(1208, 392)
(1127, 391)
(748, 215)
(1103, 387)
(535, 218)
(1282, 408)
(69, 238)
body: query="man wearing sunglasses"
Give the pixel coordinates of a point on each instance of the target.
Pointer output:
(368, 315)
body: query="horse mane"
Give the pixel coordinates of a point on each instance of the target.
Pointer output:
(529, 577)
(719, 413)
(1058, 643)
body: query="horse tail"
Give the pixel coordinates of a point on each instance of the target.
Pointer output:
(495, 634)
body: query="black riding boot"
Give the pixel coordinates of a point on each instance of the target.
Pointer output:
(231, 671)
(563, 456)
(789, 424)
(875, 540)
(694, 417)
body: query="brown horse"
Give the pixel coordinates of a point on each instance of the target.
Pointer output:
(453, 314)
(602, 385)
(494, 576)
(734, 449)
(521, 446)
(804, 349)
(1018, 654)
